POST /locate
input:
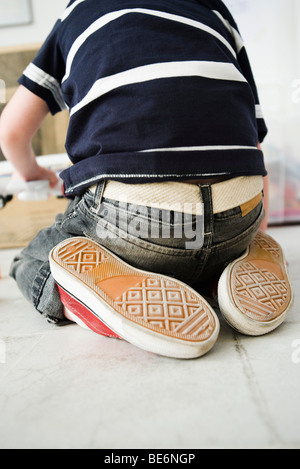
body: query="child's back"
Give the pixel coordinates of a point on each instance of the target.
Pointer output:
(156, 91)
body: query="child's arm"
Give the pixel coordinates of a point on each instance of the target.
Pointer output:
(265, 222)
(20, 120)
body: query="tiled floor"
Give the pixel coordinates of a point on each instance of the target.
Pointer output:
(68, 388)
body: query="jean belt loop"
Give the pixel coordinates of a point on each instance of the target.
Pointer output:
(207, 201)
(98, 196)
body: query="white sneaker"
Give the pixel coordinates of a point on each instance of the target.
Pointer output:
(254, 292)
(152, 311)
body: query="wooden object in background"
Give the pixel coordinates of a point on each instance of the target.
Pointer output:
(21, 221)
(50, 139)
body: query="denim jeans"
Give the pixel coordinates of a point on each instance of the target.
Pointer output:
(146, 239)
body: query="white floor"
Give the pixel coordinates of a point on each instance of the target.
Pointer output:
(69, 388)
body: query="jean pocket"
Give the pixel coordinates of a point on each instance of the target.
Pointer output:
(232, 213)
(145, 255)
(71, 220)
(235, 225)
(107, 230)
(159, 227)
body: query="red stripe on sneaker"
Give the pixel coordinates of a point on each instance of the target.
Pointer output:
(85, 315)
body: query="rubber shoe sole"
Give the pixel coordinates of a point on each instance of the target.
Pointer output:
(151, 311)
(82, 316)
(254, 292)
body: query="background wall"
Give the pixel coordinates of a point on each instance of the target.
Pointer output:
(270, 29)
(18, 47)
(45, 13)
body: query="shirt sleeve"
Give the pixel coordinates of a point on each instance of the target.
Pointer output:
(242, 57)
(247, 72)
(44, 74)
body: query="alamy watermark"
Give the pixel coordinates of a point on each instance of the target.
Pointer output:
(2, 92)
(2, 352)
(296, 352)
(296, 91)
(181, 224)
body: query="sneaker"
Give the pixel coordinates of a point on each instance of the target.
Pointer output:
(151, 311)
(78, 313)
(254, 292)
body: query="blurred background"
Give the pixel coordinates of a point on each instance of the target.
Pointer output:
(24, 25)
(270, 29)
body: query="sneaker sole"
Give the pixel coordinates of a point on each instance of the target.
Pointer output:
(80, 314)
(254, 292)
(151, 311)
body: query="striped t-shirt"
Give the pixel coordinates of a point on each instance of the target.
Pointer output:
(156, 90)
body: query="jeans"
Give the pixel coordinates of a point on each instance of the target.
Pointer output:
(163, 246)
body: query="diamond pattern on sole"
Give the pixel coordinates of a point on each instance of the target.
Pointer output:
(258, 293)
(267, 244)
(161, 303)
(259, 283)
(153, 301)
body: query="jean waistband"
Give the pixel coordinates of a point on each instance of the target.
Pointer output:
(185, 197)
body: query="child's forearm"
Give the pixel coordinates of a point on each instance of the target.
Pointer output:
(20, 120)
(21, 155)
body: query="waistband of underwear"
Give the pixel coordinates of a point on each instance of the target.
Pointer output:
(245, 192)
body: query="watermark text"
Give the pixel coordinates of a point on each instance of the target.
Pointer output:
(184, 222)
(2, 92)
(296, 352)
(296, 91)
(2, 352)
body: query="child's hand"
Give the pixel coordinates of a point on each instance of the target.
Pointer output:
(44, 174)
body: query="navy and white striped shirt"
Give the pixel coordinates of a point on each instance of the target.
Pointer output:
(156, 90)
